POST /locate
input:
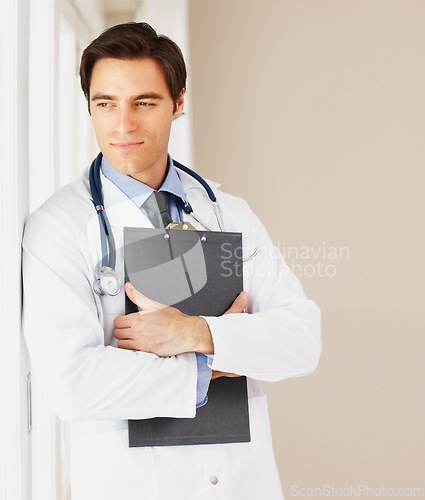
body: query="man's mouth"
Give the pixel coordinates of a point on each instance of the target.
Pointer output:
(126, 146)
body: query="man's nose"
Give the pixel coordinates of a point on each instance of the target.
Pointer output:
(126, 120)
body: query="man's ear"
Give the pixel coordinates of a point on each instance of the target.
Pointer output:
(179, 105)
(88, 102)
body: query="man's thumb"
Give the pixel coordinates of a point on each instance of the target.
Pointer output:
(239, 304)
(139, 299)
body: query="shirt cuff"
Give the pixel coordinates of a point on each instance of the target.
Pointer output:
(210, 359)
(204, 378)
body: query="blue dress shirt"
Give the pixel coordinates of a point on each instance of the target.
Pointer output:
(138, 194)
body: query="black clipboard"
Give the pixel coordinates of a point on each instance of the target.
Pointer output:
(199, 273)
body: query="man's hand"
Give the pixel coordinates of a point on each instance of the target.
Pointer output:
(163, 330)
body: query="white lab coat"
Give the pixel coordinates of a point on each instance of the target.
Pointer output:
(95, 387)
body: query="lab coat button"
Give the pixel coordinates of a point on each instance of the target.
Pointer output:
(214, 479)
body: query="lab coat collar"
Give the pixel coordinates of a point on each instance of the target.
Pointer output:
(199, 200)
(122, 212)
(189, 182)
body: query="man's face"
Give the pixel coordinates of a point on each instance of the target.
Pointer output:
(132, 112)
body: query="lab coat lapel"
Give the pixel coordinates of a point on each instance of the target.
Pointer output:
(199, 200)
(122, 212)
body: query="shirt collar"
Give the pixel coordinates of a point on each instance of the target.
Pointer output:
(136, 190)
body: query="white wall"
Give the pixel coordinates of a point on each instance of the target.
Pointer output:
(170, 17)
(316, 113)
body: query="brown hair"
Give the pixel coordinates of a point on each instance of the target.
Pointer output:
(136, 41)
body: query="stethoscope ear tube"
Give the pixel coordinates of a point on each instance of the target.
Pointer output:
(111, 242)
(103, 238)
(94, 180)
(218, 216)
(106, 279)
(187, 208)
(196, 176)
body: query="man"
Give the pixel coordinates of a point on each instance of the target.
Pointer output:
(100, 368)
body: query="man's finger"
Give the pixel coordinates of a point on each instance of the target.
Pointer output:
(141, 300)
(122, 333)
(127, 344)
(239, 304)
(122, 321)
(218, 374)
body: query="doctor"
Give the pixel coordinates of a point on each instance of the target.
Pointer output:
(100, 368)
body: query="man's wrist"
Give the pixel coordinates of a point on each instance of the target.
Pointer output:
(201, 335)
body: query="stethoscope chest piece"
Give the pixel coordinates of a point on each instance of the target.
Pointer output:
(106, 281)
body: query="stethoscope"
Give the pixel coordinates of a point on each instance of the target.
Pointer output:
(107, 282)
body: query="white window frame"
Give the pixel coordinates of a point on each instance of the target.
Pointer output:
(55, 26)
(14, 364)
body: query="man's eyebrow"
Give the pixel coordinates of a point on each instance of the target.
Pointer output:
(102, 97)
(147, 95)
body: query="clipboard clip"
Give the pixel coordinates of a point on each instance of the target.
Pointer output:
(181, 225)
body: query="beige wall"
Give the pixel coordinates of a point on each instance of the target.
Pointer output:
(314, 111)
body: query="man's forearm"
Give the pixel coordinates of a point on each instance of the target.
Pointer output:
(164, 330)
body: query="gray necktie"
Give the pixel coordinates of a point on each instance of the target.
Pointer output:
(157, 203)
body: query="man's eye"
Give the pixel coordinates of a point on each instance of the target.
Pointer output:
(104, 104)
(144, 104)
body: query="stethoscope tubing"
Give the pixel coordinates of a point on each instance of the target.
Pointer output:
(106, 236)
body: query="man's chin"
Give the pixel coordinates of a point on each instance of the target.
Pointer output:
(133, 169)
(125, 163)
